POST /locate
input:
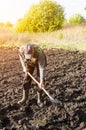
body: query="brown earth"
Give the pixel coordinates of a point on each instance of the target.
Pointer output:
(65, 79)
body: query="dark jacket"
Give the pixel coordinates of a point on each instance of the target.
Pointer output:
(38, 55)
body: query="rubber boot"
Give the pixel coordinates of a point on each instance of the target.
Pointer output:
(40, 104)
(25, 97)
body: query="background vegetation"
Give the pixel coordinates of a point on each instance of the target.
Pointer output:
(72, 37)
(45, 16)
(61, 33)
(76, 19)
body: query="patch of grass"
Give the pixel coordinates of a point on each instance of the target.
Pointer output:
(79, 97)
(73, 46)
(66, 46)
(60, 35)
(42, 122)
(69, 38)
(10, 45)
(43, 45)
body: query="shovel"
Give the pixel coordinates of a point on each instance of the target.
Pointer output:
(51, 98)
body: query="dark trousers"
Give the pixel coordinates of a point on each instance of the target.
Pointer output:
(27, 79)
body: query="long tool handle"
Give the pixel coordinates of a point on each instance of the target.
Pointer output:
(48, 94)
(33, 78)
(42, 88)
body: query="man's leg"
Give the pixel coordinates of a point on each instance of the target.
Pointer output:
(25, 97)
(39, 91)
(39, 100)
(26, 86)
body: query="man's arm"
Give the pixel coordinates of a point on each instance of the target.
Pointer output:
(41, 71)
(21, 56)
(22, 63)
(42, 64)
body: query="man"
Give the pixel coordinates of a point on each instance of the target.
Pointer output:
(31, 57)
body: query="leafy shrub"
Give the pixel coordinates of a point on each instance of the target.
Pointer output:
(85, 8)
(76, 19)
(60, 35)
(45, 16)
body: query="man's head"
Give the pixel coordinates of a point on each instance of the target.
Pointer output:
(27, 50)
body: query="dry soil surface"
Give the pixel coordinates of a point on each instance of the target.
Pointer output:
(65, 77)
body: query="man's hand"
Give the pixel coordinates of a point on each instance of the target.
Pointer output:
(41, 85)
(24, 69)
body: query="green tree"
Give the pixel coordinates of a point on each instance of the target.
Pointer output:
(76, 19)
(1, 24)
(45, 16)
(8, 24)
(85, 8)
(21, 25)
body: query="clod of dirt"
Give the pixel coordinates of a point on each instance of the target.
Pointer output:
(28, 110)
(5, 121)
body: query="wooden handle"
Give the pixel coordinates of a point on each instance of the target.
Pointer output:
(48, 94)
(42, 88)
(33, 78)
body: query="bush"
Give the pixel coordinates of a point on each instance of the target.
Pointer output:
(45, 16)
(60, 35)
(85, 8)
(76, 19)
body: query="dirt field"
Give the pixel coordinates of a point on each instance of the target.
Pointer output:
(65, 79)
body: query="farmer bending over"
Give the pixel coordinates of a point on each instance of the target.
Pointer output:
(31, 57)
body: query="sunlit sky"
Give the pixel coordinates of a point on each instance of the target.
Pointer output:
(12, 10)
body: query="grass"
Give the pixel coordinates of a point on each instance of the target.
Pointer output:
(42, 122)
(71, 37)
(81, 46)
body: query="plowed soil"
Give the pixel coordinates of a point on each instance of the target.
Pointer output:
(65, 79)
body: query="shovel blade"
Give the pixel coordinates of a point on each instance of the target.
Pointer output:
(55, 101)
